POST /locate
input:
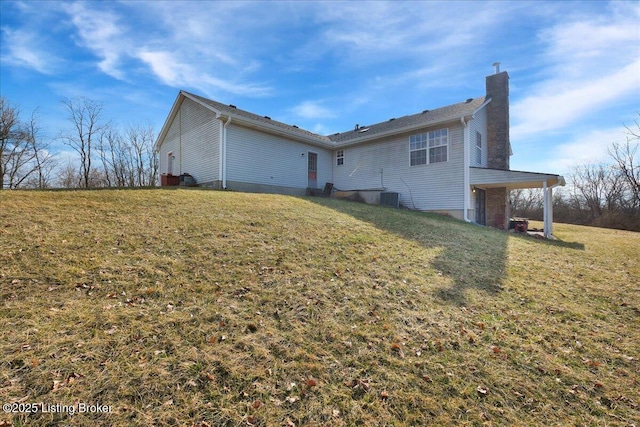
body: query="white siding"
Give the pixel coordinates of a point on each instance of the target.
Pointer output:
(200, 142)
(194, 139)
(260, 158)
(479, 124)
(171, 143)
(386, 164)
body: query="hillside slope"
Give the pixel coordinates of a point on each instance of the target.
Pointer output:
(189, 307)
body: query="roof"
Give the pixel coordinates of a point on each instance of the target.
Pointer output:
(425, 118)
(233, 111)
(361, 134)
(492, 178)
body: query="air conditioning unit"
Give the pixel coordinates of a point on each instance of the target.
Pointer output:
(390, 198)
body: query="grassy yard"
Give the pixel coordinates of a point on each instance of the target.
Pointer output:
(203, 308)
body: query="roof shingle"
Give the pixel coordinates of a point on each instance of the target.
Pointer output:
(425, 118)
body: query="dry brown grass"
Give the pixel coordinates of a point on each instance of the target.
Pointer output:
(213, 308)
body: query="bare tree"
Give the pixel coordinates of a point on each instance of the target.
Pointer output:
(68, 177)
(85, 115)
(128, 159)
(144, 165)
(13, 143)
(24, 159)
(624, 156)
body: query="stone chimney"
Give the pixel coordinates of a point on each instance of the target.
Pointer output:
(498, 146)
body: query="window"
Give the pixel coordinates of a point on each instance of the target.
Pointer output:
(418, 149)
(478, 148)
(438, 141)
(340, 157)
(435, 143)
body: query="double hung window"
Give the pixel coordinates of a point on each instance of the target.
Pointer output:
(429, 147)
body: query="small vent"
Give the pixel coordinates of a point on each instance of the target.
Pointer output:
(390, 198)
(363, 130)
(425, 111)
(267, 117)
(232, 106)
(392, 119)
(468, 100)
(295, 126)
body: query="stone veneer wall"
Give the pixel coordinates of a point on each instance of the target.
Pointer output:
(497, 202)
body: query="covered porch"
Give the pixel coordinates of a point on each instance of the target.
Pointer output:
(490, 192)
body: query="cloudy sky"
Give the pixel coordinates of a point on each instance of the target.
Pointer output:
(574, 66)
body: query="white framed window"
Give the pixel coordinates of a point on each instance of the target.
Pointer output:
(340, 157)
(429, 147)
(478, 148)
(418, 149)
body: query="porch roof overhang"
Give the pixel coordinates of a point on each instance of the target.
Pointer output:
(493, 178)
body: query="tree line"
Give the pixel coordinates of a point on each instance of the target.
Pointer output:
(604, 194)
(105, 155)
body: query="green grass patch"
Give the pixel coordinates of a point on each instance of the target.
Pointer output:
(201, 308)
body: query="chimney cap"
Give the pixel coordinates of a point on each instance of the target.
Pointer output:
(497, 65)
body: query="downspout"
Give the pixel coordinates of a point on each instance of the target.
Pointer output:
(224, 153)
(467, 161)
(220, 148)
(180, 142)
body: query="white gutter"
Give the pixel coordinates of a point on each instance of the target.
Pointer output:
(224, 153)
(467, 162)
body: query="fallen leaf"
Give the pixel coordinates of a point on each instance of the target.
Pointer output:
(482, 390)
(312, 382)
(292, 399)
(290, 423)
(384, 394)
(257, 404)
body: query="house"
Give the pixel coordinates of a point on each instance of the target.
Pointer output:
(452, 160)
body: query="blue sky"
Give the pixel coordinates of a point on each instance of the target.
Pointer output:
(574, 66)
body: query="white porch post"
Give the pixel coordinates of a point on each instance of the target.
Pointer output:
(550, 211)
(545, 209)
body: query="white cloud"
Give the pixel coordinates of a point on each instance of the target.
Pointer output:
(168, 68)
(590, 147)
(99, 31)
(560, 104)
(23, 49)
(312, 110)
(590, 64)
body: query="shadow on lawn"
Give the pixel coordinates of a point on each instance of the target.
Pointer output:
(473, 257)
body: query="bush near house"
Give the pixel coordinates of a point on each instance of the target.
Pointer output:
(189, 307)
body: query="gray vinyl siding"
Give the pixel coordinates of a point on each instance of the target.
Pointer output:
(194, 138)
(478, 124)
(200, 142)
(386, 164)
(261, 158)
(170, 144)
